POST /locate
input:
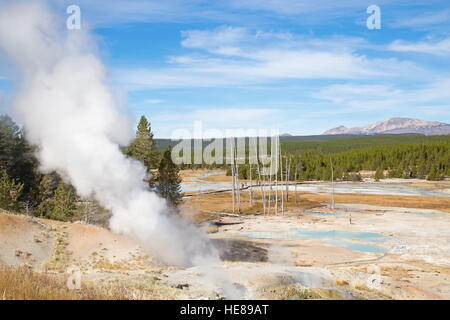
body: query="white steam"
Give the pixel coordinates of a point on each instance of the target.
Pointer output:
(69, 113)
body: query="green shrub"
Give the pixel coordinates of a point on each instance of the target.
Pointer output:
(10, 192)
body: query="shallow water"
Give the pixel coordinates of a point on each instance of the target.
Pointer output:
(336, 213)
(315, 234)
(212, 173)
(343, 188)
(357, 246)
(368, 188)
(201, 185)
(429, 214)
(334, 237)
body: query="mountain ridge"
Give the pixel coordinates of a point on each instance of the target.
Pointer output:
(395, 126)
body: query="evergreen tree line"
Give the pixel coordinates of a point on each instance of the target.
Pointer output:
(427, 160)
(424, 157)
(24, 189)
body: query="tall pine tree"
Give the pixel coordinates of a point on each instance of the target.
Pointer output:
(62, 206)
(16, 155)
(169, 179)
(143, 148)
(379, 174)
(10, 192)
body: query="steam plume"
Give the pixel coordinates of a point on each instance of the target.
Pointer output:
(70, 115)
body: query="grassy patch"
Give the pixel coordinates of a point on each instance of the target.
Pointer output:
(147, 287)
(25, 284)
(61, 256)
(291, 292)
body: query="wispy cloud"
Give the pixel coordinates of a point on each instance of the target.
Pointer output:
(316, 56)
(153, 101)
(229, 56)
(361, 98)
(216, 118)
(223, 36)
(300, 12)
(422, 19)
(295, 7)
(441, 48)
(108, 13)
(220, 115)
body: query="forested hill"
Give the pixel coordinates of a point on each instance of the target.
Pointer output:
(162, 144)
(346, 143)
(334, 143)
(405, 156)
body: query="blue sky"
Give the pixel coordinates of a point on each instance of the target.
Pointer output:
(301, 66)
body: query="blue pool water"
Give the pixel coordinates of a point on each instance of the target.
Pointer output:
(370, 188)
(357, 246)
(202, 185)
(334, 237)
(337, 213)
(342, 188)
(429, 214)
(314, 234)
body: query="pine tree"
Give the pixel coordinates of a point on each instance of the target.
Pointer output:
(10, 192)
(143, 148)
(379, 174)
(168, 179)
(61, 206)
(16, 155)
(47, 186)
(413, 172)
(434, 174)
(64, 201)
(45, 209)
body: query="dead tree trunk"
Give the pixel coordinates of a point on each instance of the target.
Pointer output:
(232, 176)
(332, 186)
(251, 185)
(295, 181)
(237, 182)
(263, 192)
(288, 175)
(270, 183)
(276, 190)
(281, 184)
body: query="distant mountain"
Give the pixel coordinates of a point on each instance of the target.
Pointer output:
(396, 126)
(286, 135)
